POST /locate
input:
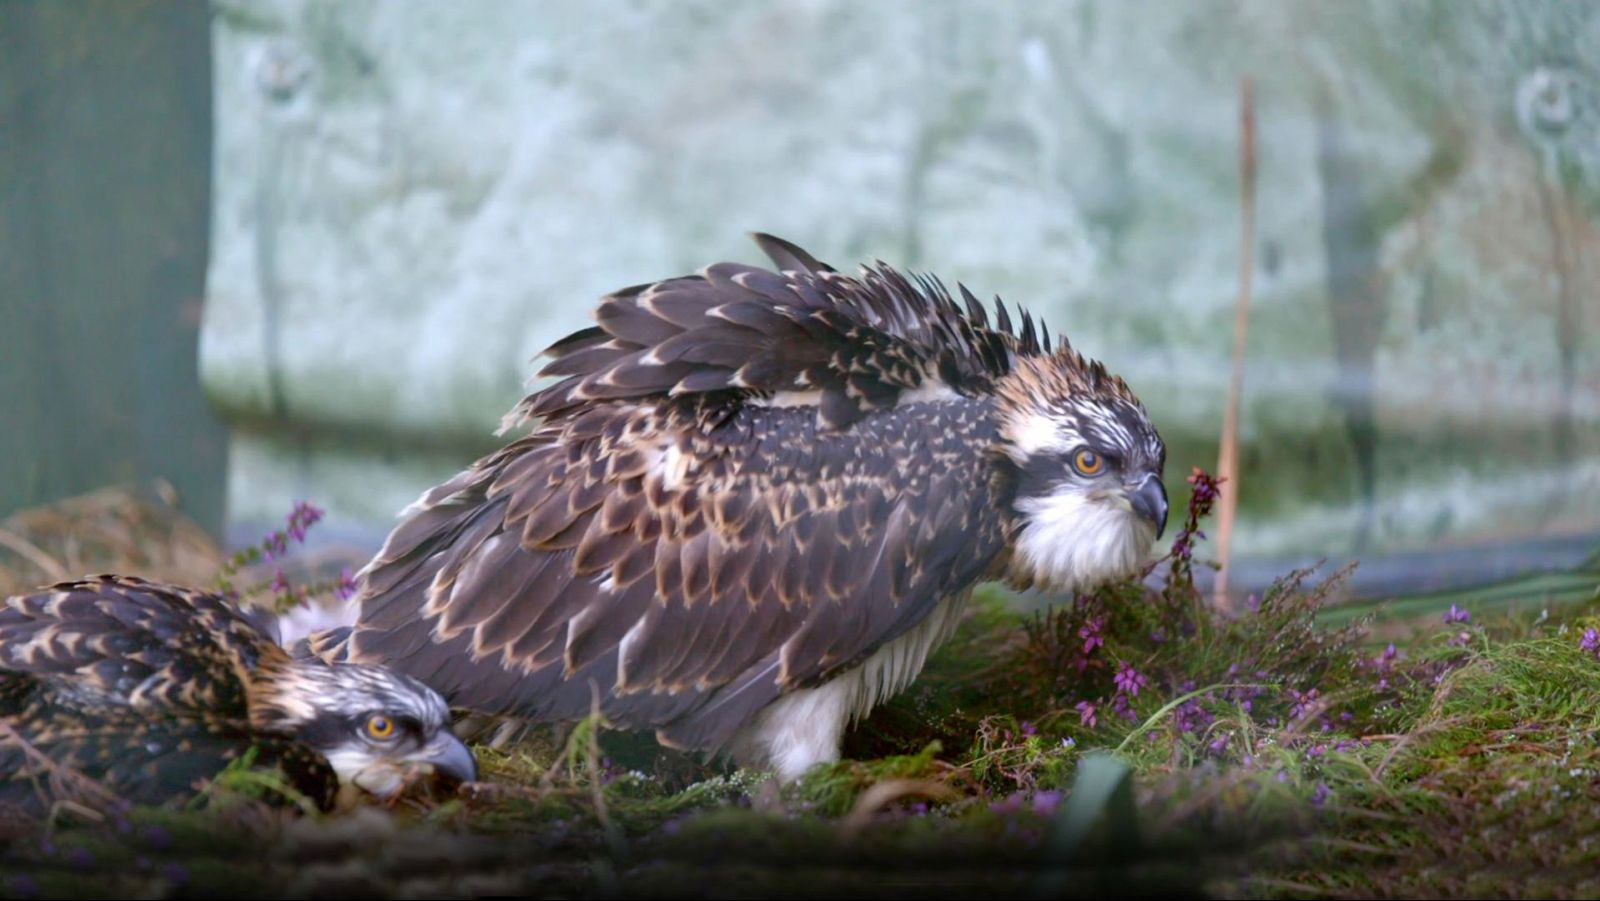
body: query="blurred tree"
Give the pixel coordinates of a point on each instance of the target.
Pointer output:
(105, 191)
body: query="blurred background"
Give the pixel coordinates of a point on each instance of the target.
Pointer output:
(259, 252)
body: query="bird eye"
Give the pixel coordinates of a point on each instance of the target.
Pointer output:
(380, 727)
(1088, 462)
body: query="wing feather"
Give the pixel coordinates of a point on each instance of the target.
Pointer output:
(736, 331)
(136, 645)
(674, 591)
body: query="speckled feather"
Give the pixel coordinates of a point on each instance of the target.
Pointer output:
(143, 687)
(744, 483)
(736, 332)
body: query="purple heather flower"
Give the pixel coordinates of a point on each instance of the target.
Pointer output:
(1591, 641)
(1130, 680)
(1460, 640)
(1253, 602)
(1086, 714)
(1121, 706)
(280, 583)
(1028, 729)
(347, 585)
(1046, 802)
(1219, 744)
(1191, 717)
(1320, 795)
(1009, 804)
(1304, 702)
(1068, 742)
(1457, 615)
(305, 513)
(275, 546)
(1090, 633)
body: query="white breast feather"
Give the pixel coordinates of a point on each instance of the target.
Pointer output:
(803, 728)
(1073, 541)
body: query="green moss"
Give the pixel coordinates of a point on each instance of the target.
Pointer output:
(1272, 754)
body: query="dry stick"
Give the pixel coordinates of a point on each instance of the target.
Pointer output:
(69, 779)
(33, 553)
(1228, 462)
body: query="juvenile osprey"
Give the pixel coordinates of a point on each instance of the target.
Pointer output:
(754, 504)
(151, 690)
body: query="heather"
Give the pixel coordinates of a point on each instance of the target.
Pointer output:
(1138, 739)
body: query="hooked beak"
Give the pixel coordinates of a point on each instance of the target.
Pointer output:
(1149, 500)
(449, 756)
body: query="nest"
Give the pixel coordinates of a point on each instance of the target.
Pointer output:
(135, 529)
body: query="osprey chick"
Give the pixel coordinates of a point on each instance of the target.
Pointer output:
(755, 503)
(151, 690)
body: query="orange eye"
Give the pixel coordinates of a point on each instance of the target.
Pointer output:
(380, 727)
(1088, 462)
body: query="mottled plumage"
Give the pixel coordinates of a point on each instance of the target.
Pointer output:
(749, 509)
(151, 690)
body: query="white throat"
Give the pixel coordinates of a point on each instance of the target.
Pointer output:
(1073, 541)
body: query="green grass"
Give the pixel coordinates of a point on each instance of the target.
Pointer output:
(1282, 752)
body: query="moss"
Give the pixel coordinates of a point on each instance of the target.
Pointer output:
(1273, 754)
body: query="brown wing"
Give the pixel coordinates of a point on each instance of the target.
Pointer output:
(691, 573)
(735, 331)
(113, 641)
(137, 686)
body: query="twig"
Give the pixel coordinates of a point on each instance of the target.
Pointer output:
(1228, 459)
(612, 832)
(35, 555)
(65, 779)
(882, 794)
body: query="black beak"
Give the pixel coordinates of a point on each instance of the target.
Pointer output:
(450, 757)
(1149, 500)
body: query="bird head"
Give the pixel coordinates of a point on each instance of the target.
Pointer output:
(1087, 464)
(376, 728)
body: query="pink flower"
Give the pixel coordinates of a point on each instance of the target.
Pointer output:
(1090, 633)
(1086, 714)
(1130, 680)
(347, 585)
